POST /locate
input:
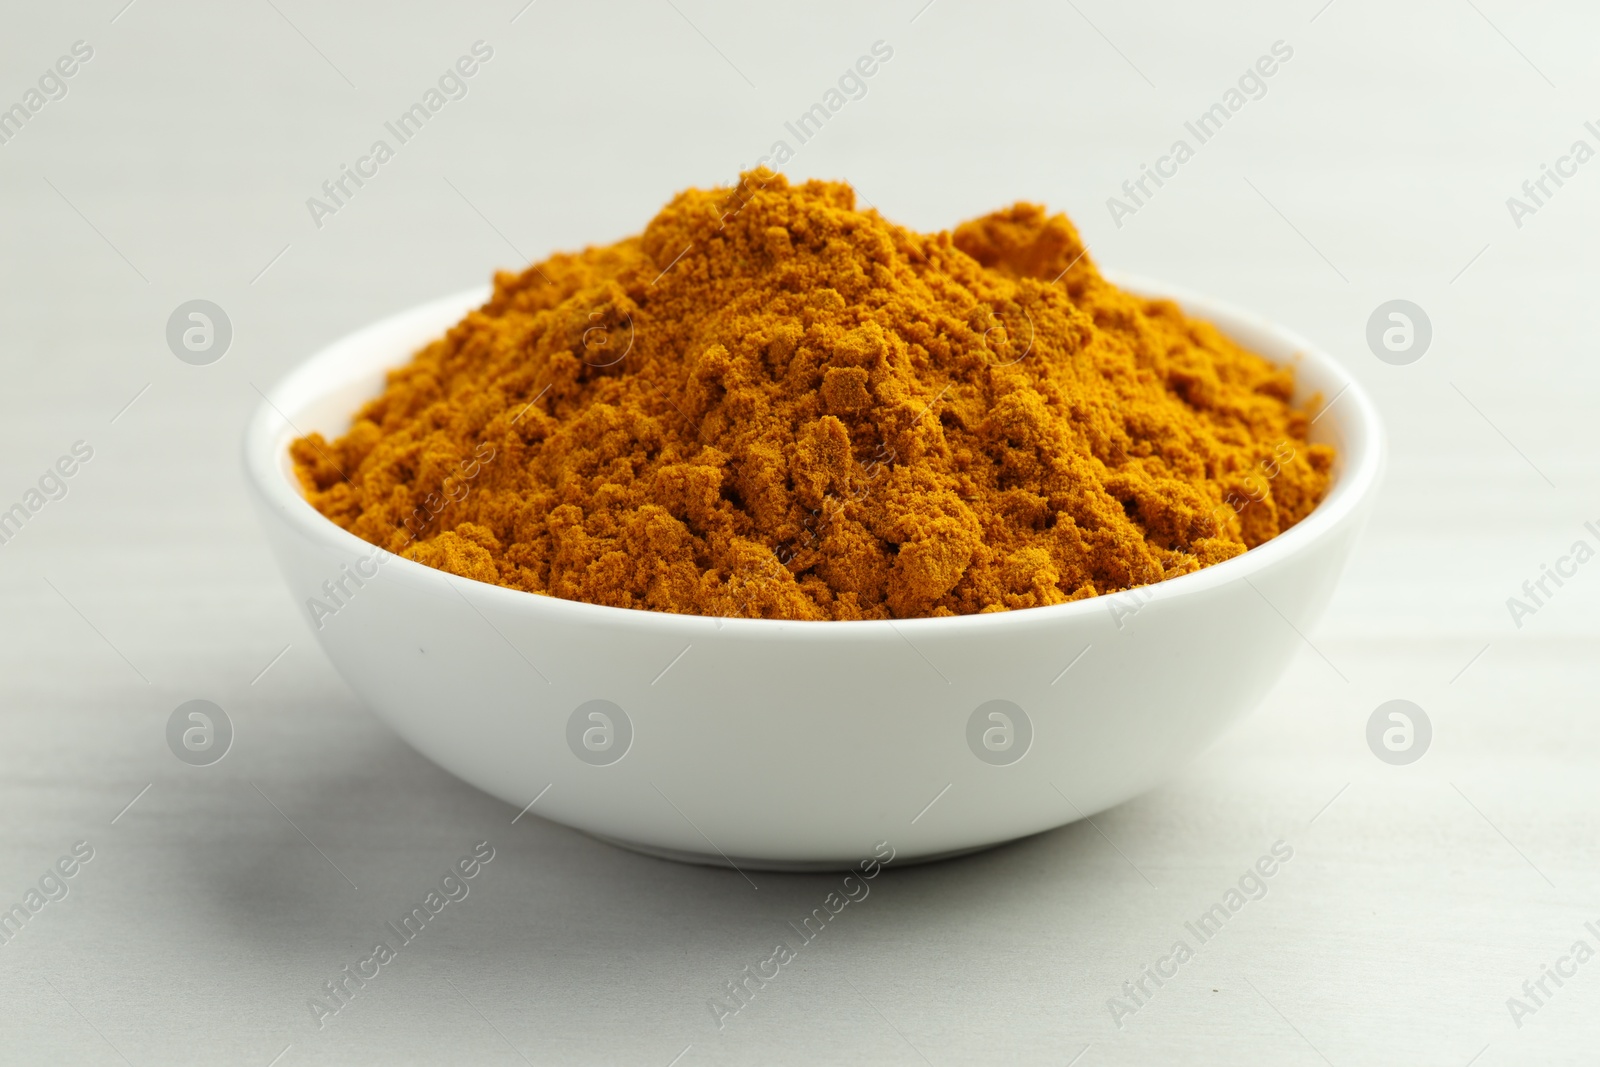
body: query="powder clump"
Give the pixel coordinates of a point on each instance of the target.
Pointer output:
(774, 404)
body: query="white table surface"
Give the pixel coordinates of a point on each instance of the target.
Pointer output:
(1377, 166)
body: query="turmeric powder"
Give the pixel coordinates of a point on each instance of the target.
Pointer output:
(775, 404)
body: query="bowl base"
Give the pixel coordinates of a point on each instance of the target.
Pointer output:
(746, 863)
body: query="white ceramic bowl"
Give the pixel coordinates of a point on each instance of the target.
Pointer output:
(796, 745)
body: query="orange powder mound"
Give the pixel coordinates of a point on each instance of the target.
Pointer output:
(775, 404)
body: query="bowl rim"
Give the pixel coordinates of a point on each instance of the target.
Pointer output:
(1356, 477)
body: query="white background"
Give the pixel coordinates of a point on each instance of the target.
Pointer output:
(1376, 167)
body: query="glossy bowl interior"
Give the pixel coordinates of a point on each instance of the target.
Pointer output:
(793, 745)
